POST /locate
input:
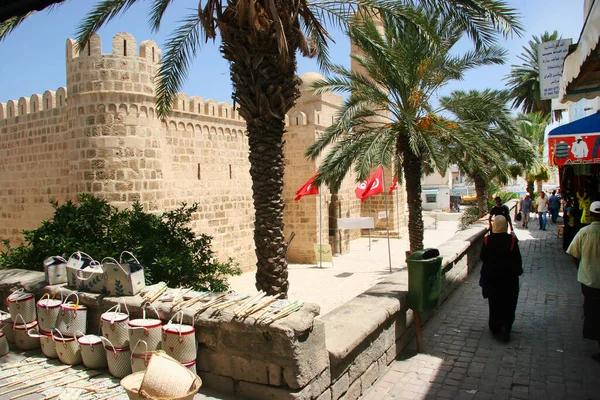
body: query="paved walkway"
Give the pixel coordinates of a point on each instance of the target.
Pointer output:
(546, 358)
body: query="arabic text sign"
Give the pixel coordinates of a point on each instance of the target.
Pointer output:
(551, 56)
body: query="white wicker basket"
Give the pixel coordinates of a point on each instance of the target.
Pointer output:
(77, 261)
(3, 344)
(7, 326)
(140, 359)
(92, 352)
(146, 329)
(72, 317)
(55, 269)
(46, 342)
(67, 348)
(179, 340)
(114, 325)
(22, 303)
(22, 340)
(47, 311)
(119, 363)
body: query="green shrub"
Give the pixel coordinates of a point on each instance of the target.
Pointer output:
(469, 215)
(164, 244)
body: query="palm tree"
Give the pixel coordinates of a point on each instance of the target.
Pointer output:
(261, 40)
(524, 79)
(500, 147)
(387, 118)
(533, 127)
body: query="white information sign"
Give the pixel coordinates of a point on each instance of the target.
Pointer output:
(356, 223)
(551, 56)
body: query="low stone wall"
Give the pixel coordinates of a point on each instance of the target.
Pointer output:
(336, 356)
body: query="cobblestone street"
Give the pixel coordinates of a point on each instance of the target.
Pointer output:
(546, 358)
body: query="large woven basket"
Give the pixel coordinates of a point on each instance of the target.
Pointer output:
(47, 311)
(114, 325)
(133, 382)
(7, 326)
(167, 378)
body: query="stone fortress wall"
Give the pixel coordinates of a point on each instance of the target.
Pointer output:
(101, 135)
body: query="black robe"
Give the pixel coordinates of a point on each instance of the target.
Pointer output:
(500, 273)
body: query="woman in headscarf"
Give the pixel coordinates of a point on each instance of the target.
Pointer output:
(500, 276)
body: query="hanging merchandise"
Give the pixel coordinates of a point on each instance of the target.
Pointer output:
(46, 342)
(22, 339)
(119, 362)
(140, 356)
(47, 311)
(114, 325)
(72, 317)
(179, 340)
(55, 270)
(20, 302)
(6, 325)
(3, 343)
(77, 261)
(92, 351)
(91, 278)
(146, 329)
(123, 279)
(67, 348)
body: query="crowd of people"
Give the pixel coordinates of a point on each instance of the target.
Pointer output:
(502, 264)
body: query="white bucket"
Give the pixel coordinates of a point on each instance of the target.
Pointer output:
(72, 317)
(92, 352)
(147, 330)
(114, 326)
(47, 311)
(22, 303)
(179, 340)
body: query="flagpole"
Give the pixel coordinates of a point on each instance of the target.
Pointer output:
(370, 215)
(320, 232)
(387, 219)
(398, 211)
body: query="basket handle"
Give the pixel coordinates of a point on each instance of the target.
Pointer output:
(61, 259)
(22, 319)
(59, 332)
(136, 345)
(180, 313)
(36, 335)
(111, 345)
(78, 255)
(116, 262)
(76, 296)
(131, 254)
(20, 290)
(95, 264)
(151, 306)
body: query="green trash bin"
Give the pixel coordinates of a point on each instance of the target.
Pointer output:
(424, 279)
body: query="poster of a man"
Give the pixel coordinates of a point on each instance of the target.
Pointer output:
(579, 148)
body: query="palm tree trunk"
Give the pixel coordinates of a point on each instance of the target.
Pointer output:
(538, 185)
(265, 89)
(530, 188)
(481, 188)
(411, 164)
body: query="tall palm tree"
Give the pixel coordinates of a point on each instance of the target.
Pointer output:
(388, 118)
(501, 148)
(533, 127)
(261, 40)
(524, 79)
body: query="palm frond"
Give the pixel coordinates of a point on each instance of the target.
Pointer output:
(181, 48)
(104, 12)
(157, 10)
(6, 27)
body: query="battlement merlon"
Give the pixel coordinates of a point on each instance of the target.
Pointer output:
(123, 45)
(33, 104)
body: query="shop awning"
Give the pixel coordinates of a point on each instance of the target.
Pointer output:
(581, 71)
(577, 142)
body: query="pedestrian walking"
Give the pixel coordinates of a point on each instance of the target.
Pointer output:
(500, 209)
(554, 206)
(542, 209)
(525, 209)
(499, 280)
(585, 249)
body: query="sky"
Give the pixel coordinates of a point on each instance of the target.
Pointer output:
(32, 58)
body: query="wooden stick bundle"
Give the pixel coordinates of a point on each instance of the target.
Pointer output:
(248, 303)
(155, 292)
(36, 380)
(190, 302)
(216, 301)
(77, 378)
(230, 302)
(284, 312)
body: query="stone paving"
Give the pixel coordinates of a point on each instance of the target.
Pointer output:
(546, 358)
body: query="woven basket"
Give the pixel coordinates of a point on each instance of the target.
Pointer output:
(20, 302)
(179, 340)
(140, 359)
(7, 326)
(132, 384)
(3, 344)
(114, 325)
(55, 269)
(92, 352)
(166, 378)
(67, 348)
(77, 261)
(72, 317)
(22, 339)
(123, 279)
(47, 311)
(46, 342)
(91, 278)
(146, 329)
(119, 363)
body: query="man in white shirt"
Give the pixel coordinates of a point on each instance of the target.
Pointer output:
(585, 249)
(542, 209)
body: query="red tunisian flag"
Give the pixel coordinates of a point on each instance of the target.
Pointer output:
(362, 187)
(375, 186)
(308, 188)
(394, 185)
